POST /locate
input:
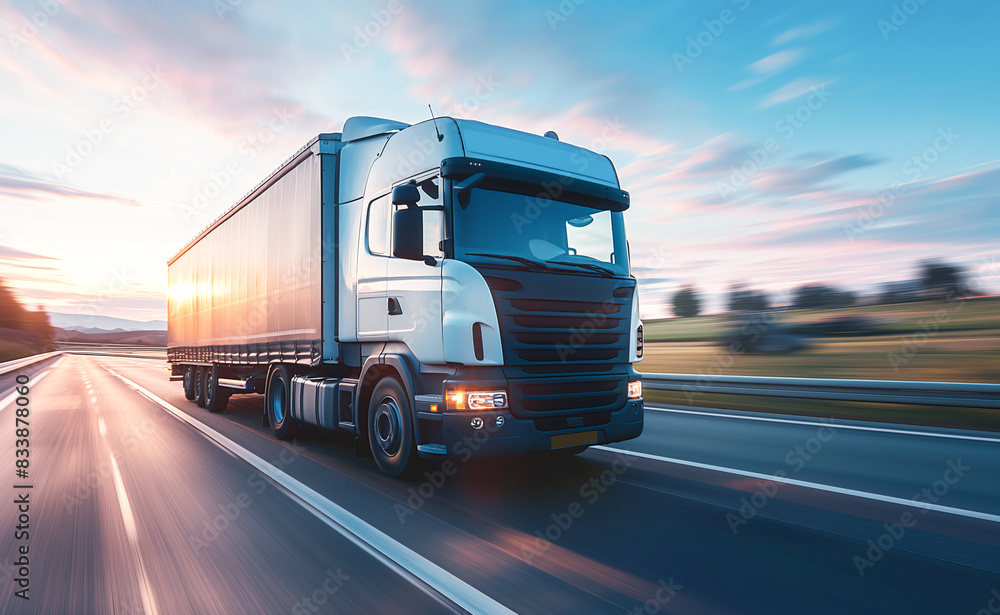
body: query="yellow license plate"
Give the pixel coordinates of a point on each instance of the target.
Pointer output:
(574, 439)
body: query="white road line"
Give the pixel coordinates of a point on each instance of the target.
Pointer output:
(101, 427)
(32, 383)
(398, 557)
(148, 603)
(820, 424)
(819, 486)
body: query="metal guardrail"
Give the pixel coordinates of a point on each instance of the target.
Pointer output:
(955, 394)
(16, 364)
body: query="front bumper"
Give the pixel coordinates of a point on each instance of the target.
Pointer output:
(458, 438)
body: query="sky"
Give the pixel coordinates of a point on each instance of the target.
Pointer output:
(771, 144)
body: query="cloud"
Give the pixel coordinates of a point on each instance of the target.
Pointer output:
(776, 61)
(793, 90)
(8, 253)
(804, 31)
(20, 183)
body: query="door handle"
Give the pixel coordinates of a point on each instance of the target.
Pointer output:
(394, 308)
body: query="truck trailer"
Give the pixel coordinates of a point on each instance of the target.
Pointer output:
(439, 290)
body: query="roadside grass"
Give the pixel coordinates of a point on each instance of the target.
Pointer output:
(902, 343)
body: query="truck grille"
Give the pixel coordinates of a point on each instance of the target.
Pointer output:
(566, 355)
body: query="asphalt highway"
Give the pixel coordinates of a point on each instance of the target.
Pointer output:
(141, 502)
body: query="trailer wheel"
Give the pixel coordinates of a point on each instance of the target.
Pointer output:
(277, 403)
(216, 397)
(199, 385)
(189, 382)
(390, 428)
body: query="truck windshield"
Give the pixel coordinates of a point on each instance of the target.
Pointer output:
(492, 226)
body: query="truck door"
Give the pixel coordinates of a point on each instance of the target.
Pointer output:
(373, 258)
(414, 287)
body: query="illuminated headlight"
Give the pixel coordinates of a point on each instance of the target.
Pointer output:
(477, 400)
(635, 389)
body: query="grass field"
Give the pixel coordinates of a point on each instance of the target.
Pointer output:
(931, 341)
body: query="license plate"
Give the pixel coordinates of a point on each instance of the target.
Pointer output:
(574, 439)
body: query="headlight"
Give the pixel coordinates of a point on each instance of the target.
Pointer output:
(477, 400)
(638, 342)
(635, 389)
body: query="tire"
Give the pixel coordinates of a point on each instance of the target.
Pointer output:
(189, 382)
(199, 385)
(277, 403)
(390, 428)
(216, 397)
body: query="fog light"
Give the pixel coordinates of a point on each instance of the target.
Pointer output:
(477, 422)
(635, 389)
(500, 421)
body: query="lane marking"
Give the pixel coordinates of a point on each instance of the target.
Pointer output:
(93, 399)
(101, 427)
(409, 564)
(32, 383)
(820, 424)
(148, 604)
(974, 514)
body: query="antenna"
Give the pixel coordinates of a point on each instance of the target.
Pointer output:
(434, 119)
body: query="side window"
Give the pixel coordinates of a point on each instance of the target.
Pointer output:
(378, 226)
(430, 196)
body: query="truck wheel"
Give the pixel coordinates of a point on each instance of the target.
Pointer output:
(216, 397)
(277, 403)
(189, 383)
(199, 385)
(390, 428)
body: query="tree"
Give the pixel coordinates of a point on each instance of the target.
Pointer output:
(743, 299)
(11, 312)
(941, 280)
(819, 296)
(686, 302)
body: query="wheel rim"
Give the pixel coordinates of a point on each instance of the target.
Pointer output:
(278, 401)
(187, 380)
(197, 382)
(387, 425)
(209, 392)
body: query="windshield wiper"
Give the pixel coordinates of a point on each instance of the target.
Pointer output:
(603, 271)
(520, 259)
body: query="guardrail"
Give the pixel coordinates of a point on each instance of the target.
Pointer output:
(16, 364)
(955, 394)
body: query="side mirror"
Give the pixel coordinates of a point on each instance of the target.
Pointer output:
(406, 194)
(408, 231)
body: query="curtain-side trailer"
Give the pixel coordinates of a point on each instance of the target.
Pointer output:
(438, 290)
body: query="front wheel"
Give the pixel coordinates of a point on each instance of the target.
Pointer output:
(277, 403)
(390, 428)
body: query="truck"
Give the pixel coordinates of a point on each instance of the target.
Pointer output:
(440, 290)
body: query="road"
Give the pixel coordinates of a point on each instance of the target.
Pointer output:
(141, 502)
